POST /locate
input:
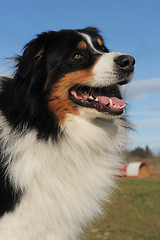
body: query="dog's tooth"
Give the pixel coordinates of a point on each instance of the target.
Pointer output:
(96, 99)
(123, 106)
(118, 106)
(91, 97)
(110, 102)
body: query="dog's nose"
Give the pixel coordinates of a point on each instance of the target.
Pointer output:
(125, 62)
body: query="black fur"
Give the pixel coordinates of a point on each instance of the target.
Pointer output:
(9, 197)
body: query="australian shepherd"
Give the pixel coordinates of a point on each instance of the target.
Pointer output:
(62, 131)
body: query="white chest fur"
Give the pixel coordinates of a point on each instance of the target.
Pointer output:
(64, 182)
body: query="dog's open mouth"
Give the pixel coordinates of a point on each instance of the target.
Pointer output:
(106, 99)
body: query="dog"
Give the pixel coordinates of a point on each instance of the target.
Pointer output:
(62, 134)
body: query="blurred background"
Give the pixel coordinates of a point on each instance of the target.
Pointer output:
(131, 27)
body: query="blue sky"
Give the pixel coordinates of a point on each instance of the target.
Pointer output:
(131, 27)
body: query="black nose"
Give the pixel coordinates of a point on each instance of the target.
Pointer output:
(125, 62)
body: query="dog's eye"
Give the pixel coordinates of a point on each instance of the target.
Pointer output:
(78, 56)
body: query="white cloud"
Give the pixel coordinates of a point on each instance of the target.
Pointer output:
(155, 107)
(140, 89)
(144, 112)
(143, 98)
(149, 122)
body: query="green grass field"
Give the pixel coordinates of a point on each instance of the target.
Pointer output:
(133, 214)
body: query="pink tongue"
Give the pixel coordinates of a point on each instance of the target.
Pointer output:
(116, 101)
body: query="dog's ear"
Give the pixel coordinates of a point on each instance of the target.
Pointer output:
(31, 58)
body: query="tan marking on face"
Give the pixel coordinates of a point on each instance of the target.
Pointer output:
(59, 102)
(100, 42)
(82, 45)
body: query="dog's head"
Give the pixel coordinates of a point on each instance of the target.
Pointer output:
(73, 70)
